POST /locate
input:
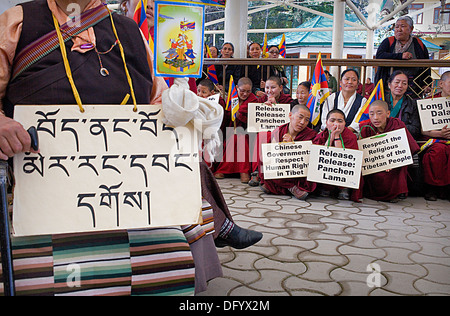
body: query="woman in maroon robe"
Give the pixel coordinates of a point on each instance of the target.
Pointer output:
(335, 123)
(236, 143)
(390, 184)
(295, 131)
(273, 95)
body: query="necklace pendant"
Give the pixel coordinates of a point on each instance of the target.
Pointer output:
(87, 46)
(104, 72)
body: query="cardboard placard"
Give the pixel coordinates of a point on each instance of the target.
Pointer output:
(108, 168)
(285, 160)
(264, 118)
(386, 151)
(434, 113)
(335, 166)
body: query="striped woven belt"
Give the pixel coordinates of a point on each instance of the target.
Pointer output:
(49, 42)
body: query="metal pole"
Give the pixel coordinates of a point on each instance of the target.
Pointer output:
(7, 260)
(5, 234)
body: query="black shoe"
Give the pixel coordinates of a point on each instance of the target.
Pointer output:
(254, 181)
(239, 238)
(431, 196)
(344, 194)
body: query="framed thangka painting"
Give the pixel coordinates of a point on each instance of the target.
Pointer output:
(179, 31)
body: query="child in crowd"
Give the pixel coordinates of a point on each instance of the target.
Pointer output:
(236, 145)
(295, 131)
(336, 134)
(390, 185)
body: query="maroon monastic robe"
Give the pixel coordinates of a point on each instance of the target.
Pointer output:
(283, 99)
(436, 165)
(386, 186)
(281, 186)
(350, 142)
(236, 145)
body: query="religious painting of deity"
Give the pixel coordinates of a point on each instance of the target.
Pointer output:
(179, 31)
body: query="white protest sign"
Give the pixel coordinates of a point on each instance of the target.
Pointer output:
(335, 166)
(108, 168)
(285, 160)
(434, 113)
(263, 118)
(386, 151)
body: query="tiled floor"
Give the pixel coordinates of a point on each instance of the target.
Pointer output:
(324, 246)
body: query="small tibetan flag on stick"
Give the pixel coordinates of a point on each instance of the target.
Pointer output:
(232, 100)
(211, 71)
(282, 47)
(319, 91)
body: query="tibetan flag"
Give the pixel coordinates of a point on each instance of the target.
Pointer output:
(187, 26)
(232, 99)
(377, 94)
(265, 50)
(211, 71)
(319, 91)
(431, 141)
(282, 47)
(140, 17)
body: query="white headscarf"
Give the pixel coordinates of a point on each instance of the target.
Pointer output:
(182, 107)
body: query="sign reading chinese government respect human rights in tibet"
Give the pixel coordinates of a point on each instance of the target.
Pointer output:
(108, 168)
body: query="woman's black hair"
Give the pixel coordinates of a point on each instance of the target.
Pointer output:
(306, 84)
(350, 69)
(395, 74)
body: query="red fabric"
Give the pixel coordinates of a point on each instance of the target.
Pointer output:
(385, 186)
(350, 142)
(436, 162)
(436, 165)
(281, 186)
(236, 155)
(283, 99)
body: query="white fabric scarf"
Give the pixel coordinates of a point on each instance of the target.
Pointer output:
(181, 107)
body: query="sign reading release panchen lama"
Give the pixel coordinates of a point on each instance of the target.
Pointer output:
(108, 168)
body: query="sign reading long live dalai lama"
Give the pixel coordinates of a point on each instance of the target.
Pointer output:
(434, 113)
(386, 151)
(285, 160)
(108, 168)
(335, 166)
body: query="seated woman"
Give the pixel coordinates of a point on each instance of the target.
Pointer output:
(338, 135)
(256, 73)
(302, 94)
(392, 184)
(296, 130)
(236, 143)
(274, 92)
(436, 158)
(273, 95)
(346, 100)
(401, 105)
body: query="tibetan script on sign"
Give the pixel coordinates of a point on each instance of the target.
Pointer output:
(108, 168)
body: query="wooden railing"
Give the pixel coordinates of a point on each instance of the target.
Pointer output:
(340, 63)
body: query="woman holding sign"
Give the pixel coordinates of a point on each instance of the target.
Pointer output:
(391, 184)
(338, 135)
(436, 153)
